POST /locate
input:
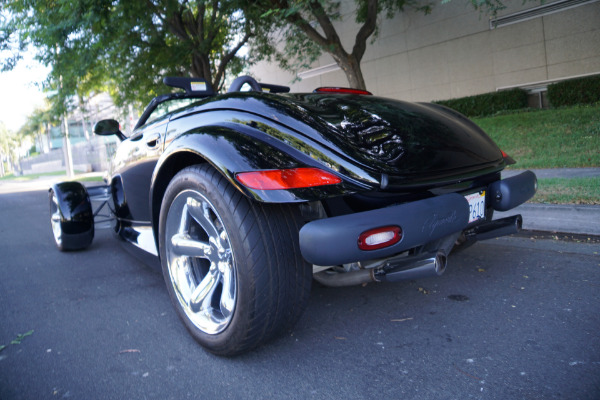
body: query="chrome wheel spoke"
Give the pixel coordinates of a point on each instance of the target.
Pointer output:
(182, 279)
(184, 245)
(227, 302)
(201, 262)
(201, 212)
(201, 298)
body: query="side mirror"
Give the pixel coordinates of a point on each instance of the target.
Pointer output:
(108, 127)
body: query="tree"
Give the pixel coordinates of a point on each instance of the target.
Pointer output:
(126, 47)
(37, 125)
(309, 29)
(9, 145)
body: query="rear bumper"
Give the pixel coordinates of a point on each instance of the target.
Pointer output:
(334, 241)
(508, 193)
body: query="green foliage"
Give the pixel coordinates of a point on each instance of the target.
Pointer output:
(127, 47)
(9, 143)
(37, 122)
(575, 91)
(488, 103)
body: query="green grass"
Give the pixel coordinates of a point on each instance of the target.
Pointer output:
(31, 177)
(568, 191)
(555, 138)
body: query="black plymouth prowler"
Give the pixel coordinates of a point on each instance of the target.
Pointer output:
(245, 197)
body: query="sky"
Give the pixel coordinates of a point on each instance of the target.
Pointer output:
(19, 95)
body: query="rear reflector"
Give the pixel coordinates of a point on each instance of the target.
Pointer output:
(295, 178)
(379, 238)
(342, 90)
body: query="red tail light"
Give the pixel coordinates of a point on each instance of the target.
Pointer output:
(342, 90)
(507, 159)
(379, 238)
(287, 178)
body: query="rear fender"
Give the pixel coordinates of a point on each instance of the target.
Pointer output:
(235, 148)
(239, 148)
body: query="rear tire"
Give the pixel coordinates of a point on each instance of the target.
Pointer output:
(232, 266)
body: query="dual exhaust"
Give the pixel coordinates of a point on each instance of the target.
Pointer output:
(401, 267)
(389, 270)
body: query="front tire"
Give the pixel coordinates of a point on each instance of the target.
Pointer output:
(71, 216)
(232, 266)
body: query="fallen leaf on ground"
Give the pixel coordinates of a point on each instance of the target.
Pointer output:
(21, 336)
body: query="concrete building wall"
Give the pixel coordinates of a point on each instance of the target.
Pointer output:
(453, 52)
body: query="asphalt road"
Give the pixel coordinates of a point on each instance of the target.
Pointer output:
(513, 318)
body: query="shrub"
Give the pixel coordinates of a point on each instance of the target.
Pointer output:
(488, 103)
(575, 91)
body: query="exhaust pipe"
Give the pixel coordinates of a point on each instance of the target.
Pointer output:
(340, 279)
(424, 268)
(497, 228)
(390, 270)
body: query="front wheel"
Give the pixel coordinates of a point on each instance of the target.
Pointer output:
(71, 216)
(232, 266)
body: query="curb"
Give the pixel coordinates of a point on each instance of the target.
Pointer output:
(563, 218)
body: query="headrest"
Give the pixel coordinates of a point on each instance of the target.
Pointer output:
(192, 86)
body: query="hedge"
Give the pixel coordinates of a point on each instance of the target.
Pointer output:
(488, 103)
(575, 91)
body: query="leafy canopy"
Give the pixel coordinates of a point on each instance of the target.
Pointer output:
(126, 47)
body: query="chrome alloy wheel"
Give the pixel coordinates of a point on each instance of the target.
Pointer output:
(55, 218)
(200, 262)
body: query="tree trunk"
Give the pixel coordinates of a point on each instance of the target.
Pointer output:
(329, 41)
(351, 68)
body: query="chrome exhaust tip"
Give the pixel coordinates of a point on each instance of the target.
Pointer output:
(416, 268)
(441, 260)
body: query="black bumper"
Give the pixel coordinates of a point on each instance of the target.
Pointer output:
(334, 241)
(508, 193)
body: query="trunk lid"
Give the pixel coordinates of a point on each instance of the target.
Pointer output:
(398, 138)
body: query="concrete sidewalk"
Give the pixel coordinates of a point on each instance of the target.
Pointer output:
(42, 183)
(564, 218)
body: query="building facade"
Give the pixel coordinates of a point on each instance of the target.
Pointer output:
(456, 51)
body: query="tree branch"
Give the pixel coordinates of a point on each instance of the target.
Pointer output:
(228, 57)
(366, 30)
(325, 23)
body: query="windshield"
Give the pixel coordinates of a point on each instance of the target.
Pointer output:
(169, 106)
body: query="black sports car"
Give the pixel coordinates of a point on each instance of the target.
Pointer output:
(245, 197)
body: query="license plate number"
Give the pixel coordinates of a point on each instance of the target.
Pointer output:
(476, 205)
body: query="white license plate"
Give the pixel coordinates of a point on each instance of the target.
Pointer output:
(476, 205)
